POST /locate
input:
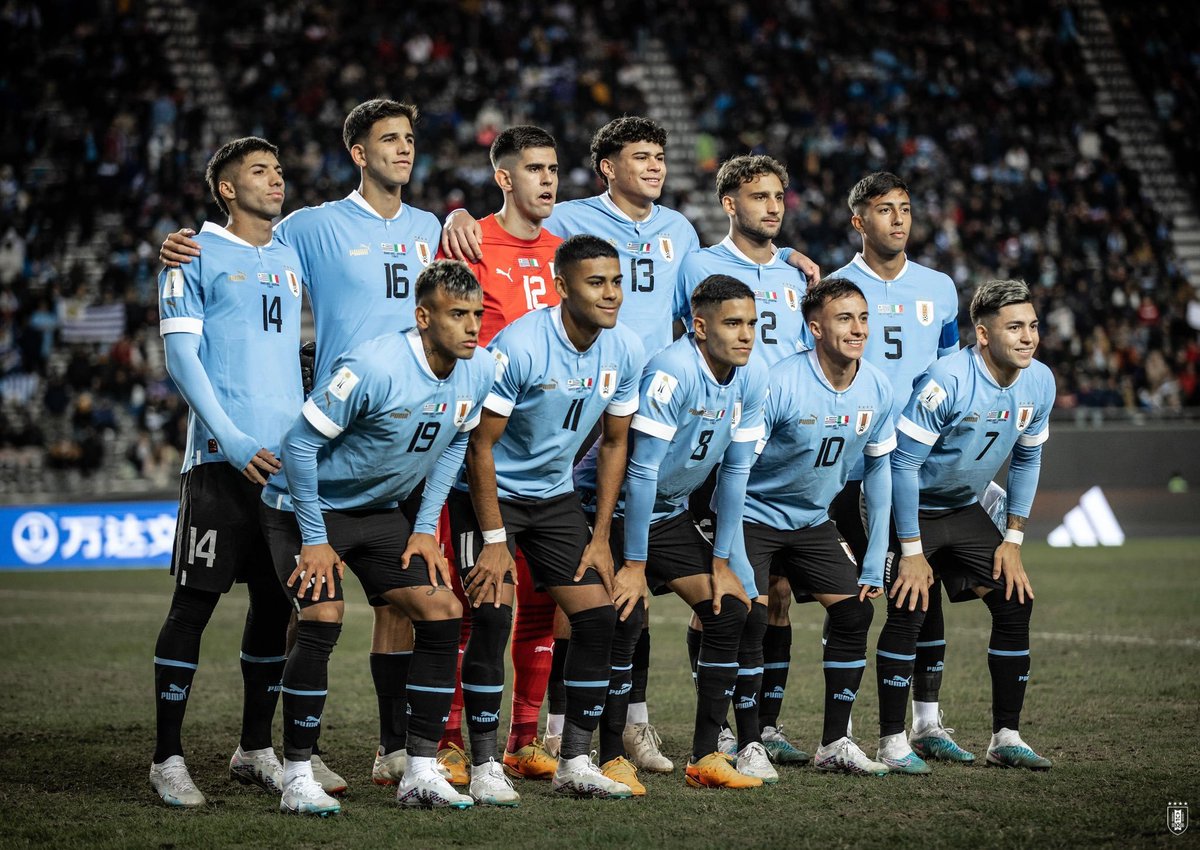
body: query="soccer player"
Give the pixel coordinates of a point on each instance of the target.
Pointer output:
(751, 191)
(393, 412)
(701, 404)
(916, 309)
(517, 274)
(240, 305)
(968, 413)
(359, 256)
(826, 409)
(557, 372)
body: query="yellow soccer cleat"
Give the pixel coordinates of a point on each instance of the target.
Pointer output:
(532, 761)
(715, 770)
(622, 770)
(455, 765)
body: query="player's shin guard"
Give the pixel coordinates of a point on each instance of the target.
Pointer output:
(556, 691)
(176, 655)
(1008, 658)
(483, 678)
(264, 647)
(716, 670)
(845, 658)
(931, 650)
(452, 733)
(532, 657)
(305, 686)
(430, 683)
(389, 670)
(777, 659)
(620, 684)
(894, 656)
(585, 676)
(641, 675)
(749, 677)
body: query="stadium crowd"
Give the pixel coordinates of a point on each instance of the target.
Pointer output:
(988, 120)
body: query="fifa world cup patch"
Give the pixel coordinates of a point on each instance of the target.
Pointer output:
(931, 395)
(736, 418)
(173, 287)
(501, 363)
(663, 387)
(343, 382)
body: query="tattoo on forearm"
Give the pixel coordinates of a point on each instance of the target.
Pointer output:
(1016, 522)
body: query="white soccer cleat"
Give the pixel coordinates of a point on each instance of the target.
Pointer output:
(727, 742)
(895, 752)
(844, 756)
(754, 761)
(174, 784)
(257, 767)
(425, 788)
(303, 796)
(643, 746)
(580, 777)
(389, 767)
(490, 786)
(329, 781)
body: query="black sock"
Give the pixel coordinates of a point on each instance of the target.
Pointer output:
(626, 637)
(641, 663)
(845, 659)
(389, 671)
(264, 651)
(586, 674)
(693, 650)
(1008, 658)
(894, 655)
(749, 678)
(305, 686)
(777, 659)
(176, 656)
(556, 691)
(483, 677)
(716, 670)
(931, 650)
(431, 683)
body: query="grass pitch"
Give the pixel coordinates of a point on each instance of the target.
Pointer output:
(1114, 700)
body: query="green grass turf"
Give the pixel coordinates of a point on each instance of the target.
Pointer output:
(1114, 701)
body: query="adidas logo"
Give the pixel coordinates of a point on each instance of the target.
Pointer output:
(175, 693)
(1091, 523)
(846, 695)
(897, 681)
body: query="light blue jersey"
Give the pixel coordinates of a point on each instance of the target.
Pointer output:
(814, 435)
(552, 395)
(360, 268)
(385, 420)
(960, 426)
(651, 252)
(778, 290)
(685, 423)
(243, 301)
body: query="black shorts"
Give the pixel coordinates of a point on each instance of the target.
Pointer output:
(960, 545)
(678, 549)
(369, 541)
(218, 539)
(814, 560)
(848, 512)
(700, 504)
(552, 534)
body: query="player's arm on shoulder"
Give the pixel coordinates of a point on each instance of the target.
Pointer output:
(462, 237)
(802, 263)
(179, 248)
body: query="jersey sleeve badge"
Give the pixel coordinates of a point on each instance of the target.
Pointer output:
(931, 395)
(925, 312)
(501, 363)
(663, 387)
(173, 288)
(343, 382)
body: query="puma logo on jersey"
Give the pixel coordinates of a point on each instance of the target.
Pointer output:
(507, 274)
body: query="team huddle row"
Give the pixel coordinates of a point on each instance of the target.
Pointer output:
(634, 387)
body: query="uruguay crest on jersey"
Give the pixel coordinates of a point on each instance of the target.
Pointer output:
(863, 421)
(423, 252)
(608, 382)
(293, 282)
(792, 297)
(462, 407)
(925, 312)
(667, 249)
(1024, 416)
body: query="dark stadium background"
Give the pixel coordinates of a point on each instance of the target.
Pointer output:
(1051, 141)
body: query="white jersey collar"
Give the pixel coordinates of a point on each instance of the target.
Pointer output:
(356, 197)
(218, 230)
(704, 365)
(820, 373)
(728, 244)
(982, 366)
(612, 207)
(418, 350)
(862, 265)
